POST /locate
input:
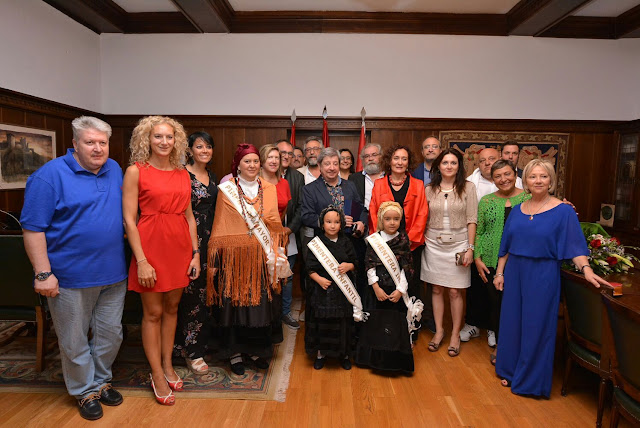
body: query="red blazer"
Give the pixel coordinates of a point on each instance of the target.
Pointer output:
(416, 209)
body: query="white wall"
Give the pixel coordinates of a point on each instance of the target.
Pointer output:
(46, 54)
(391, 75)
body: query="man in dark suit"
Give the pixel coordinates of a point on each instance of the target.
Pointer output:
(316, 196)
(510, 150)
(292, 224)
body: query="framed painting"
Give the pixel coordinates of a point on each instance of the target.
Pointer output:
(551, 147)
(22, 151)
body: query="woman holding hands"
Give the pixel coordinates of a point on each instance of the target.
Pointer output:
(161, 228)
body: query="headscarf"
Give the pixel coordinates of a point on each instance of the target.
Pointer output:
(242, 150)
(387, 206)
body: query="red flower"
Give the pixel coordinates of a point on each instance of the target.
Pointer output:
(615, 240)
(596, 243)
(612, 261)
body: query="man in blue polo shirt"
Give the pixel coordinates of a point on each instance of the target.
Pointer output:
(74, 236)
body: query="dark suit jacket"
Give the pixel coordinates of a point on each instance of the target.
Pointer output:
(294, 208)
(358, 179)
(315, 198)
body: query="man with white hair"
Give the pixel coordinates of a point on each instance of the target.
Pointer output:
(74, 237)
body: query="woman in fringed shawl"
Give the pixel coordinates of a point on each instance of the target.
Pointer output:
(246, 290)
(384, 341)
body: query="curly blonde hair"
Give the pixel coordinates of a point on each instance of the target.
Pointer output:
(139, 144)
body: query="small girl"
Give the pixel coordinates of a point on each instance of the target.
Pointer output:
(385, 342)
(329, 322)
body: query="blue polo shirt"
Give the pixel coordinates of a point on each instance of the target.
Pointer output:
(81, 216)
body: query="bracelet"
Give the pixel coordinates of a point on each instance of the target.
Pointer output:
(140, 261)
(584, 266)
(471, 247)
(194, 252)
(498, 274)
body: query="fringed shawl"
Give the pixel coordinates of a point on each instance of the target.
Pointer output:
(239, 257)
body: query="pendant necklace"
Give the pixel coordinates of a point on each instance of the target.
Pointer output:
(538, 210)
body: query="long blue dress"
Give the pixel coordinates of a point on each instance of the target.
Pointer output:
(531, 297)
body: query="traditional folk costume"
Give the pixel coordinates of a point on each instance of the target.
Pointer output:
(245, 246)
(329, 323)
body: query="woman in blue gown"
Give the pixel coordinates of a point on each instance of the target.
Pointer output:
(538, 236)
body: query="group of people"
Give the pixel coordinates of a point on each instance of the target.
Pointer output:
(213, 263)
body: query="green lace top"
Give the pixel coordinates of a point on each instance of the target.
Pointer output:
(490, 225)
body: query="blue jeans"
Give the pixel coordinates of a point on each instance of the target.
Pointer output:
(287, 288)
(86, 364)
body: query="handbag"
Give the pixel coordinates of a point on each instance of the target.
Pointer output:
(460, 258)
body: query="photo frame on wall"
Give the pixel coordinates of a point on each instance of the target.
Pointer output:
(551, 147)
(22, 151)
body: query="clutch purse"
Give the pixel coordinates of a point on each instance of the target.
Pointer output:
(460, 258)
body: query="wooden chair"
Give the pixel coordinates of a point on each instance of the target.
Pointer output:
(623, 325)
(583, 324)
(18, 301)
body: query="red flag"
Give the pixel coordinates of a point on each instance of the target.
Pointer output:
(363, 140)
(293, 128)
(325, 130)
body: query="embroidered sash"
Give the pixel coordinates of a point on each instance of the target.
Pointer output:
(390, 262)
(330, 264)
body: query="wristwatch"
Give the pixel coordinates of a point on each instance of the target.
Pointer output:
(471, 247)
(41, 276)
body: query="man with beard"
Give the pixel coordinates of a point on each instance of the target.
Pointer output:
(311, 171)
(430, 150)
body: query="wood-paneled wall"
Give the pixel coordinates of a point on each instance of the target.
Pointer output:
(591, 155)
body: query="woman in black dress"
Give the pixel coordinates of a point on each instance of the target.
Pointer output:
(329, 326)
(194, 324)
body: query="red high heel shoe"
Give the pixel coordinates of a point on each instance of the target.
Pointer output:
(176, 385)
(167, 400)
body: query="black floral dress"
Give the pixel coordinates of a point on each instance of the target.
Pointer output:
(192, 331)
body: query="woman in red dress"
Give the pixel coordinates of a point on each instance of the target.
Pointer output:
(161, 228)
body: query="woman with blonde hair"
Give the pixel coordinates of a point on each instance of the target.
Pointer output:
(271, 171)
(161, 228)
(539, 234)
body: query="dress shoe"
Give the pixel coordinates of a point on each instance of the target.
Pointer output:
(90, 407)
(345, 363)
(237, 368)
(109, 396)
(261, 363)
(318, 364)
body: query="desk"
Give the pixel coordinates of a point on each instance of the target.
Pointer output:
(630, 286)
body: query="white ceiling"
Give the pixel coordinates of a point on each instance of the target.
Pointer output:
(610, 8)
(135, 6)
(436, 6)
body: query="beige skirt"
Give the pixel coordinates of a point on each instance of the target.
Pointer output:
(439, 262)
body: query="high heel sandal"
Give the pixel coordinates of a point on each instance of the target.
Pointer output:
(167, 400)
(175, 385)
(198, 365)
(433, 346)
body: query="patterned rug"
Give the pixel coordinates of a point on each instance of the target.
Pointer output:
(131, 371)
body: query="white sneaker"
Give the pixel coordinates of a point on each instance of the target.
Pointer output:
(468, 332)
(491, 338)
(301, 316)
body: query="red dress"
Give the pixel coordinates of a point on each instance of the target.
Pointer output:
(284, 196)
(163, 197)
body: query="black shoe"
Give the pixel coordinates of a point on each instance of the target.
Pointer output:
(345, 363)
(109, 396)
(261, 363)
(318, 363)
(90, 407)
(237, 368)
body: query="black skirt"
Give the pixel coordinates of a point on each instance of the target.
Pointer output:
(333, 337)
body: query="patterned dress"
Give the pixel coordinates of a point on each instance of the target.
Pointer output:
(193, 327)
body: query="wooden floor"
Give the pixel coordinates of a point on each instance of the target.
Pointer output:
(443, 392)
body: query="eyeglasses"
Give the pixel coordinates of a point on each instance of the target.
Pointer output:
(312, 149)
(372, 155)
(286, 154)
(345, 158)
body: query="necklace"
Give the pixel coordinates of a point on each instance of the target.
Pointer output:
(397, 183)
(446, 192)
(538, 210)
(246, 200)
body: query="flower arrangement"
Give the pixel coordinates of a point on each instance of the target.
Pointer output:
(607, 254)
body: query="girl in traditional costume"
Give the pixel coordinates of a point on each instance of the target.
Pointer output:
(329, 325)
(245, 251)
(385, 339)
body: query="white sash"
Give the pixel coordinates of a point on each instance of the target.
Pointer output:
(330, 264)
(259, 229)
(390, 262)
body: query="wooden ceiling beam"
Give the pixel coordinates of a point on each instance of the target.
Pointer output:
(534, 17)
(208, 16)
(369, 22)
(583, 27)
(100, 16)
(628, 24)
